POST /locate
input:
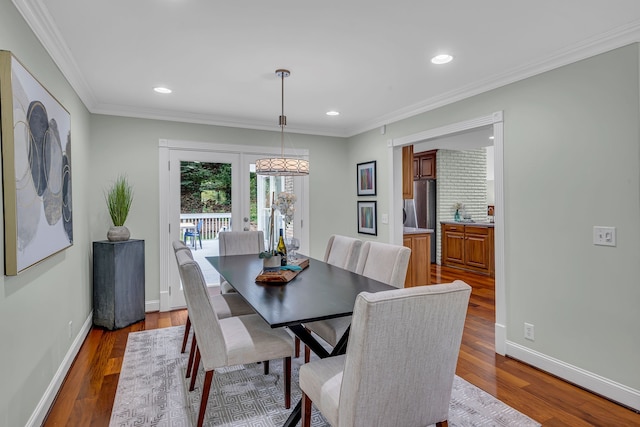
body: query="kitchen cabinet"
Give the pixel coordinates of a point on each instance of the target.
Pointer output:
(469, 247)
(419, 269)
(424, 165)
(407, 172)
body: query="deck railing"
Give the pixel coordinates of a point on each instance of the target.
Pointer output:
(212, 223)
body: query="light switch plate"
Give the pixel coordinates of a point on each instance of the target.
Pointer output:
(385, 218)
(604, 236)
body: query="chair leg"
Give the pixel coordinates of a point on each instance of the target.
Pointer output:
(196, 363)
(266, 367)
(200, 240)
(444, 423)
(306, 410)
(206, 387)
(186, 334)
(192, 353)
(307, 354)
(286, 368)
(296, 343)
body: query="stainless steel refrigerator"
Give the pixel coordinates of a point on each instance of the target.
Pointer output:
(424, 206)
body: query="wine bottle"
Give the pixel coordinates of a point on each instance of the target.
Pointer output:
(282, 249)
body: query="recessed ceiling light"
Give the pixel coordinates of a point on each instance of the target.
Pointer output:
(441, 59)
(491, 137)
(161, 89)
(333, 113)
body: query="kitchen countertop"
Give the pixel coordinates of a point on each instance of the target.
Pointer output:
(479, 224)
(413, 230)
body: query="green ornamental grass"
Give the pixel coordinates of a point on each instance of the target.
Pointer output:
(119, 198)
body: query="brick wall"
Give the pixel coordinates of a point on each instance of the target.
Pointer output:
(462, 177)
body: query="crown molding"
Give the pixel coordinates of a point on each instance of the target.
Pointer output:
(205, 119)
(604, 42)
(38, 18)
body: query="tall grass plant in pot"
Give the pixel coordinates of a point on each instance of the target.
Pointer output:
(119, 198)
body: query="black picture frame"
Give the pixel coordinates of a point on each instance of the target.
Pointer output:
(367, 217)
(366, 178)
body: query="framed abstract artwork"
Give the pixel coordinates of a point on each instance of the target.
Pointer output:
(36, 165)
(367, 178)
(367, 220)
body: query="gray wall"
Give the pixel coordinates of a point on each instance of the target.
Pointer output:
(571, 145)
(37, 306)
(131, 146)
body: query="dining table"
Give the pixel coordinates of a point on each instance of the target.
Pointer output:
(320, 291)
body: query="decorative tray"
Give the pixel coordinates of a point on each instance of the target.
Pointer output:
(283, 276)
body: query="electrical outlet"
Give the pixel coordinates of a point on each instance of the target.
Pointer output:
(70, 328)
(604, 236)
(529, 332)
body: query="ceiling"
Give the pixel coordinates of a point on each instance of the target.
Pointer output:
(367, 59)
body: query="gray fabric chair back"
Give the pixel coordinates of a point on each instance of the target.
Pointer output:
(343, 252)
(241, 242)
(178, 245)
(204, 320)
(384, 262)
(402, 355)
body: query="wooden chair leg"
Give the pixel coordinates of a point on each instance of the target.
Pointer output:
(286, 368)
(206, 387)
(192, 353)
(444, 423)
(186, 334)
(194, 374)
(266, 367)
(306, 410)
(296, 343)
(307, 354)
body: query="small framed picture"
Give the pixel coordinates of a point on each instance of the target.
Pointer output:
(367, 219)
(367, 178)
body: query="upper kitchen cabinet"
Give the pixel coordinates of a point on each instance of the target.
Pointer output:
(407, 172)
(424, 165)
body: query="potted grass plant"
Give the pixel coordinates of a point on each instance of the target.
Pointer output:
(119, 197)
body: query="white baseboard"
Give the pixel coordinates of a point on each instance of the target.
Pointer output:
(617, 392)
(39, 414)
(151, 306)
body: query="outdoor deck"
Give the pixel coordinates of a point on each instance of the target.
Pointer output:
(209, 248)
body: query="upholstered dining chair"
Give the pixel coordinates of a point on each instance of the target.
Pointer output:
(235, 340)
(238, 243)
(373, 385)
(226, 305)
(343, 252)
(384, 262)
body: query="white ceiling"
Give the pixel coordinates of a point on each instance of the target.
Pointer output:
(368, 59)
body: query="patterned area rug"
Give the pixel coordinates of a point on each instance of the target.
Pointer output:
(152, 391)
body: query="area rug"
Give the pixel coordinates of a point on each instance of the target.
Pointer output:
(152, 391)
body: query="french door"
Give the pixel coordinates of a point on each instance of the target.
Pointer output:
(245, 200)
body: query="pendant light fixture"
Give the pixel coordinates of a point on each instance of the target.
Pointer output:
(282, 166)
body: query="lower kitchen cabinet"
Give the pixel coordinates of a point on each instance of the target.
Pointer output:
(419, 269)
(468, 247)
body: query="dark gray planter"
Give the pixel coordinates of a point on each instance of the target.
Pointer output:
(118, 283)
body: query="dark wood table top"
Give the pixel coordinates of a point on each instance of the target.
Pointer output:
(320, 291)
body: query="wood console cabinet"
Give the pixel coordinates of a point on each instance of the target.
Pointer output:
(469, 247)
(419, 269)
(118, 283)
(424, 165)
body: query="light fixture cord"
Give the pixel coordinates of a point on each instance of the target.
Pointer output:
(283, 118)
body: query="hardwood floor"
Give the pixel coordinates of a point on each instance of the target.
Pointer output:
(87, 394)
